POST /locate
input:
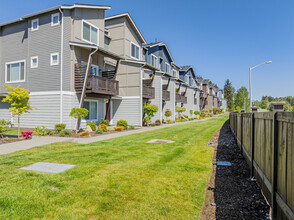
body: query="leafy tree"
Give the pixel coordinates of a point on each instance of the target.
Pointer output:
(79, 113)
(180, 110)
(241, 99)
(167, 113)
(150, 110)
(19, 99)
(229, 94)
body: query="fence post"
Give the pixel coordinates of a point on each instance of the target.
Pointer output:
(241, 127)
(252, 143)
(274, 165)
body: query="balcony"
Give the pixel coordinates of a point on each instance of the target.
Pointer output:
(148, 92)
(104, 84)
(181, 99)
(165, 95)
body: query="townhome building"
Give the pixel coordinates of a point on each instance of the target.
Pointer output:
(187, 74)
(60, 55)
(204, 94)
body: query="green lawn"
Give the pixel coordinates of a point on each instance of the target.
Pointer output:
(13, 131)
(122, 178)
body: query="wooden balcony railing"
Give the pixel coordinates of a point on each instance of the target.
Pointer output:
(96, 84)
(165, 95)
(181, 99)
(148, 92)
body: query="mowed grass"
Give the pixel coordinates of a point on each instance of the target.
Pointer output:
(13, 131)
(121, 178)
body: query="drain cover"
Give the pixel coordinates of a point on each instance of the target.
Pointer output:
(223, 163)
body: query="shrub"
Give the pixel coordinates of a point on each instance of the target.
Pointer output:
(197, 117)
(4, 122)
(105, 122)
(153, 124)
(191, 112)
(169, 121)
(92, 125)
(191, 119)
(150, 110)
(42, 131)
(157, 122)
(103, 127)
(162, 121)
(227, 109)
(80, 130)
(122, 123)
(214, 110)
(28, 134)
(99, 131)
(186, 116)
(65, 133)
(219, 111)
(205, 110)
(210, 110)
(59, 128)
(85, 134)
(119, 128)
(202, 115)
(79, 112)
(167, 113)
(196, 113)
(177, 120)
(3, 128)
(132, 127)
(182, 120)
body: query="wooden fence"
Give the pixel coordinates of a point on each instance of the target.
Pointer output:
(266, 141)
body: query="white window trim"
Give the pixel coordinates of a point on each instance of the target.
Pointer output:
(157, 63)
(32, 27)
(52, 16)
(35, 57)
(90, 120)
(174, 71)
(166, 64)
(24, 74)
(131, 51)
(82, 31)
(51, 60)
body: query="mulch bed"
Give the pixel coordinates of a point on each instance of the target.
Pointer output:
(231, 194)
(10, 140)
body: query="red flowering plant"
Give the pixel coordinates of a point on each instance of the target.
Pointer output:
(28, 134)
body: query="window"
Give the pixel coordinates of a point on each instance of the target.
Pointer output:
(15, 71)
(154, 61)
(55, 19)
(35, 24)
(54, 59)
(167, 68)
(34, 62)
(92, 107)
(90, 33)
(174, 73)
(135, 51)
(94, 70)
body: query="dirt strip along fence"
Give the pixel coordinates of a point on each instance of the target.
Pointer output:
(266, 140)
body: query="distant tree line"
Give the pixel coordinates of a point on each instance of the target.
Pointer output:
(265, 103)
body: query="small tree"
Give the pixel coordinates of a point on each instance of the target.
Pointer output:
(79, 113)
(180, 110)
(150, 110)
(167, 113)
(191, 113)
(19, 99)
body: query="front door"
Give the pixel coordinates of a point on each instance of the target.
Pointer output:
(108, 113)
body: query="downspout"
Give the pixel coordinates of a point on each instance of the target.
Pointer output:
(86, 76)
(61, 70)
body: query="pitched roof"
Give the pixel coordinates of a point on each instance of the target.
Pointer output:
(159, 44)
(55, 8)
(128, 16)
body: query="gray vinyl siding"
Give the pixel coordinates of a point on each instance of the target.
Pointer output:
(170, 104)
(5, 114)
(157, 84)
(127, 109)
(196, 107)
(190, 101)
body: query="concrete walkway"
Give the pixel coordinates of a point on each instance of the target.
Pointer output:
(40, 141)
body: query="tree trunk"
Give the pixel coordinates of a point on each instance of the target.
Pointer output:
(18, 127)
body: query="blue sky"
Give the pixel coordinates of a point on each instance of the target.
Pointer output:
(220, 38)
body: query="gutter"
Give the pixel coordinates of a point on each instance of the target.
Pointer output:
(61, 69)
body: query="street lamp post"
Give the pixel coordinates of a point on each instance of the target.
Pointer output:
(250, 87)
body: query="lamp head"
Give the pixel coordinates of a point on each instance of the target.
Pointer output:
(268, 62)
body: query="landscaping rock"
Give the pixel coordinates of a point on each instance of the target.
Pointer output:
(89, 129)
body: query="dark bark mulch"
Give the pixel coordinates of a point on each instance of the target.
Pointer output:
(10, 140)
(231, 193)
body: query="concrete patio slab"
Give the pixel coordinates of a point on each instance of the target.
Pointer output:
(46, 167)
